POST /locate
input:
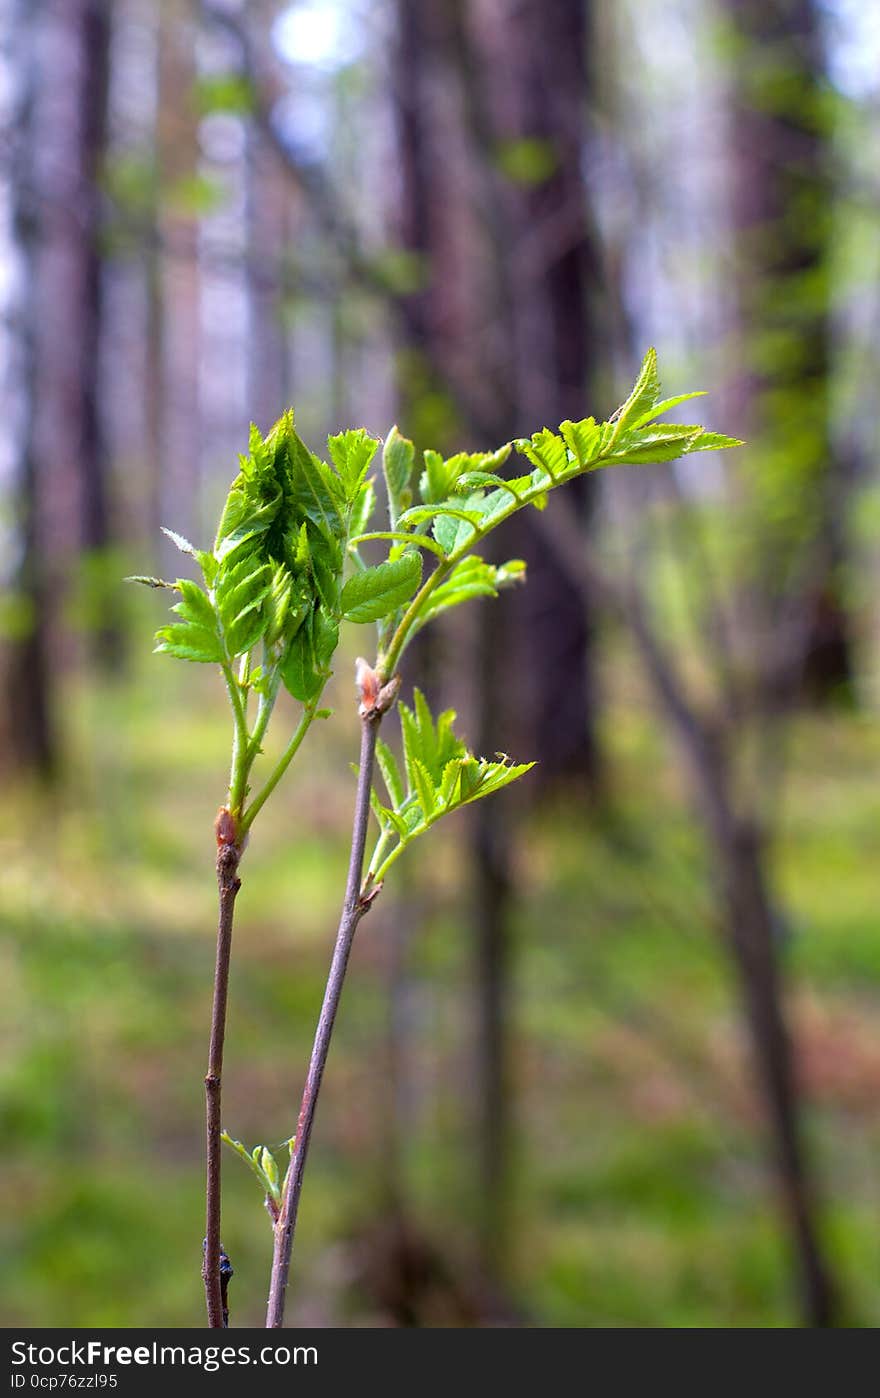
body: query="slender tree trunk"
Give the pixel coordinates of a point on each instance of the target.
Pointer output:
(520, 312)
(492, 893)
(178, 155)
(95, 33)
(753, 943)
(752, 935)
(738, 856)
(267, 358)
(782, 201)
(548, 78)
(28, 728)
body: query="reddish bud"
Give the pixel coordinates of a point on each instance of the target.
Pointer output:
(376, 698)
(224, 827)
(368, 685)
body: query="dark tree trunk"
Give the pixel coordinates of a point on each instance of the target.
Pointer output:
(29, 736)
(504, 333)
(267, 353)
(418, 346)
(555, 362)
(753, 934)
(753, 938)
(492, 907)
(94, 26)
(782, 194)
(179, 288)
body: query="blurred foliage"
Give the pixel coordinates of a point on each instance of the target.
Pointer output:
(641, 1189)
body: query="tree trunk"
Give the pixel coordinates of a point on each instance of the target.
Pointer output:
(782, 199)
(93, 23)
(753, 942)
(267, 344)
(751, 930)
(179, 292)
(554, 272)
(28, 729)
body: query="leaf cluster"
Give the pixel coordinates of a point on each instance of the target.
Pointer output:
(274, 589)
(262, 1163)
(439, 776)
(274, 576)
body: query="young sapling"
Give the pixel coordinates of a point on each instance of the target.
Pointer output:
(287, 568)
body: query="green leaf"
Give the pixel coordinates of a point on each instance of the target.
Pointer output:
(644, 395)
(302, 553)
(667, 405)
(241, 587)
(424, 788)
(441, 774)
(398, 458)
(195, 605)
(477, 480)
(278, 603)
(362, 510)
(261, 1162)
(403, 824)
(316, 492)
(325, 638)
(511, 573)
(326, 567)
(449, 783)
(423, 741)
(649, 445)
(299, 669)
(245, 516)
(188, 642)
(470, 578)
(269, 1166)
(582, 439)
(379, 811)
(376, 592)
(480, 778)
(390, 773)
(712, 441)
(438, 478)
(196, 636)
(351, 453)
(545, 450)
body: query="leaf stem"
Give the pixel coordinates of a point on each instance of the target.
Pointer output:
(353, 908)
(281, 766)
(240, 765)
(264, 713)
(386, 665)
(381, 845)
(379, 875)
(388, 662)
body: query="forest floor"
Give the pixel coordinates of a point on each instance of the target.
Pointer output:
(640, 1190)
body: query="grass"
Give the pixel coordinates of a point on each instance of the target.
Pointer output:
(641, 1195)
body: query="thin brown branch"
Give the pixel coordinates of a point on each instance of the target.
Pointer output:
(355, 904)
(228, 883)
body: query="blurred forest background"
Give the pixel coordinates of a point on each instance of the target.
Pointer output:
(612, 1057)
